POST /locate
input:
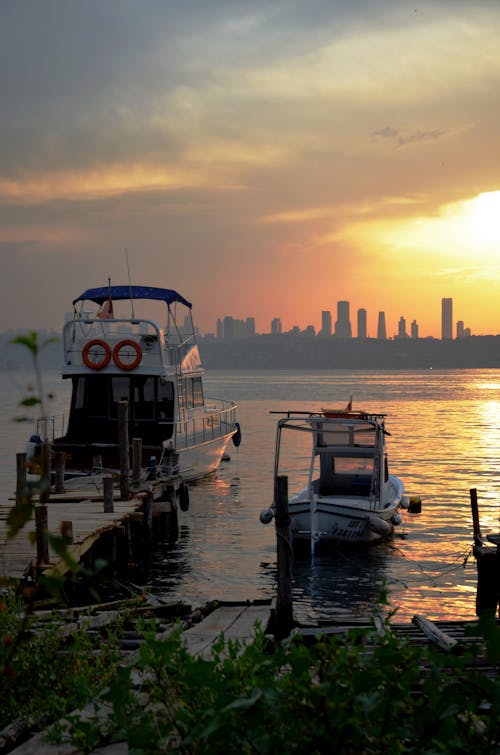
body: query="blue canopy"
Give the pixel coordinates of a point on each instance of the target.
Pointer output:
(100, 295)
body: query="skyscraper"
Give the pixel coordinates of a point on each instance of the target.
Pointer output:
(276, 326)
(381, 330)
(326, 323)
(362, 329)
(343, 323)
(402, 328)
(414, 329)
(446, 319)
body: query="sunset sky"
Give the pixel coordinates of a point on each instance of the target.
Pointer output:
(264, 159)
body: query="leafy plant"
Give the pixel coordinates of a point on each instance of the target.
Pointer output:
(34, 398)
(43, 674)
(332, 695)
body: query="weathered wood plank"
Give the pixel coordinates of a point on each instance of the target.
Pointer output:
(89, 522)
(235, 622)
(434, 633)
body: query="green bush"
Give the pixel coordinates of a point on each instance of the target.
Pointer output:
(42, 674)
(335, 695)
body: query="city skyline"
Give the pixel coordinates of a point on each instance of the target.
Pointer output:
(232, 327)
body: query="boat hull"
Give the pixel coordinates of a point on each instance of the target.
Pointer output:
(202, 460)
(345, 519)
(196, 461)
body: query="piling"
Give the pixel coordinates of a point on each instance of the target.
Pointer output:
(488, 564)
(124, 450)
(46, 452)
(67, 531)
(147, 532)
(136, 461)
(284, 605)
(478, 538)
(20, 477)
(107, 484)
(42, 536)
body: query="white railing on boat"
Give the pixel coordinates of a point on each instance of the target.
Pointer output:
(204, 428)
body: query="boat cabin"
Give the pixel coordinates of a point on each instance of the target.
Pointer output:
(350, 453)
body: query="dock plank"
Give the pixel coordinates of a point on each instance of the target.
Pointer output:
(88, 520)
(235, 622)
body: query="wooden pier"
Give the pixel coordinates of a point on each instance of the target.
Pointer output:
(120, 533)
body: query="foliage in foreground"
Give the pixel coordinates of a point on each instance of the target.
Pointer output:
(42, 674)
(333, 695)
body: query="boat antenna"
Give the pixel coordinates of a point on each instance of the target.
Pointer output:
(130, 284)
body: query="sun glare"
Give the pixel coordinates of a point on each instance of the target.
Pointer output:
(484, 217)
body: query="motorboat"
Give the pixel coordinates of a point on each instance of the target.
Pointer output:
(349, 495)
(112, 357)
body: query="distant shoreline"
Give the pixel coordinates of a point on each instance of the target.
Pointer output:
(302, 353)
(299, 352)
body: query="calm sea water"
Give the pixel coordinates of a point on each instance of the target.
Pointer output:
(445, 440)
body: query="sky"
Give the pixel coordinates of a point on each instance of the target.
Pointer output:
(264, 159)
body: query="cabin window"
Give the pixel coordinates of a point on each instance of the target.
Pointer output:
(352, 465)
(165, 400)
(97, 399)
(193, 391)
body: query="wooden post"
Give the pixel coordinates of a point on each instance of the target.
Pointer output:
(67, 531)
(478, 538)
(124, 450)
(42, 539)
(20, 476)
(284, 605)
(108, 495)
(488, 579)
(45, 471)
(147, 530)
(136, 461)
(60, 463)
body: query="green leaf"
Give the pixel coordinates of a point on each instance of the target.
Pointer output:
(244, 703)
(30, 401)
(18, 516)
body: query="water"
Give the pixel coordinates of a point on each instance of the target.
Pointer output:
(445, 440)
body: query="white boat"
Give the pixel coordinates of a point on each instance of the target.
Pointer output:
(111, 357)
(349, 495)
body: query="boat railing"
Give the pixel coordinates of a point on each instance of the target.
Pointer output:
(219, 419)
(50, 427)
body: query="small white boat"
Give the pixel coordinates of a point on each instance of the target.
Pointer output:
(349, 495)
(111, 357)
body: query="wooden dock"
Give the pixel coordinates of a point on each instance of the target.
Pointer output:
(82, 519)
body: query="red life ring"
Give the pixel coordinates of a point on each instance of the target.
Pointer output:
(128, 344)
(96, 354)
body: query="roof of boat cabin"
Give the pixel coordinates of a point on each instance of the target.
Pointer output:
(100, 295)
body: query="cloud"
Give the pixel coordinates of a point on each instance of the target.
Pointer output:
(402, 139)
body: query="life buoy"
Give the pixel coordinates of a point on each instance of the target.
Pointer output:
(96, 354)
(127, 344)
